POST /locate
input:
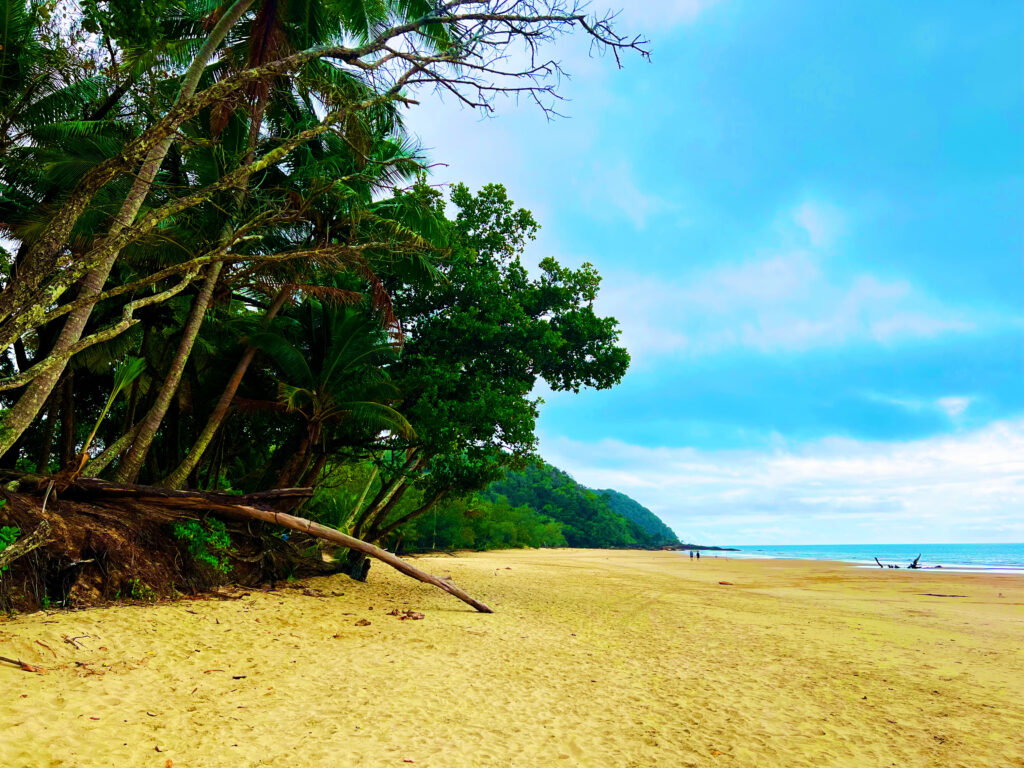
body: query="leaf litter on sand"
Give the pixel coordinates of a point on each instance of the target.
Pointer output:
(406, 615)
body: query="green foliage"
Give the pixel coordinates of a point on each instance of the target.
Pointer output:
(481, 524)
(481, 338)
(587, 517)
(208, 542)
(8, 535)
(125, 372)
(138, 590)
(130, 22)
(649, 522)
(372, 324)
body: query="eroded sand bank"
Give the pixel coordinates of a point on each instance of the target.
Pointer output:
(593, 659)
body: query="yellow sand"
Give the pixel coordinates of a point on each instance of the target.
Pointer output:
(593, 659)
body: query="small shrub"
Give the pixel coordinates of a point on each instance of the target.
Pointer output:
(140, 591)
(208, 542)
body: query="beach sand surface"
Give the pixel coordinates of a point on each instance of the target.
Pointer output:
(593, 658)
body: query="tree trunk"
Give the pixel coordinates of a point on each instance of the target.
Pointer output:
(337, 537)
(386, 491)
(309, 479)
(418, 512)
(46, 440)
(296, 465)
(67, 421)
(179, 476)
(356, 565)
(25, 410)
(111, 452)
(128, 470)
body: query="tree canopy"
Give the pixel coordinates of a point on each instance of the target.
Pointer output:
(225, 194)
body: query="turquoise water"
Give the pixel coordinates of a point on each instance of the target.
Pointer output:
(960, 557)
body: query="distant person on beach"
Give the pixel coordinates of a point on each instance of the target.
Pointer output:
(698, 554)
(691, 554)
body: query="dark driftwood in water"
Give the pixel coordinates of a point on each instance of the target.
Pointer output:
(199, 502)
(916, 565)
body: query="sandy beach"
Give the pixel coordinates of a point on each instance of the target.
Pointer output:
(594, 658)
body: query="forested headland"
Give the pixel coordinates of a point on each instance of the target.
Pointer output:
(224, 269)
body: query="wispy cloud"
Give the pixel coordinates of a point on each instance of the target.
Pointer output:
(953, 406)
(952, 488)
(821, 222)
(613, 189)
(789, 300)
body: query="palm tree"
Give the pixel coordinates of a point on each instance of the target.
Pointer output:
(332, 380)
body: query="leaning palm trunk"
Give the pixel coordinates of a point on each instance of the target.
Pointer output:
(21, 415)
(356, 545)
(179, 476)
(129, 468)
(111, 452)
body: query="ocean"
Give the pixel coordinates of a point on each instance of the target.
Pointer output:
(993, 558)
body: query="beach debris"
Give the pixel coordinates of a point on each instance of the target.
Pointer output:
(407, 614)
(24, 545)
(223, 504)
(24, 665)
(363, 623)
(934, 594)
(726, 583)
(40, 642)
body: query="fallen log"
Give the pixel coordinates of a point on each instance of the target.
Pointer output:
(330, 534)
(92, 486)
(233, 505)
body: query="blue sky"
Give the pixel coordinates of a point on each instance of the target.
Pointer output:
(808, 217)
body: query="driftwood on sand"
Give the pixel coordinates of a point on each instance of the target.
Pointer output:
(245, 507)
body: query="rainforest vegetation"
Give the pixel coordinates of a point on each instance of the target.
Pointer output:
(223, 266)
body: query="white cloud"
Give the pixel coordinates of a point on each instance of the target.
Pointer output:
(782, 303)
(821, 223)
(954, 407)
(613, 188)
(791, 299)
(835, 490)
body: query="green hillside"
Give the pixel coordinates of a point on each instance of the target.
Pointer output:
(633, 510)
(589, 518)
